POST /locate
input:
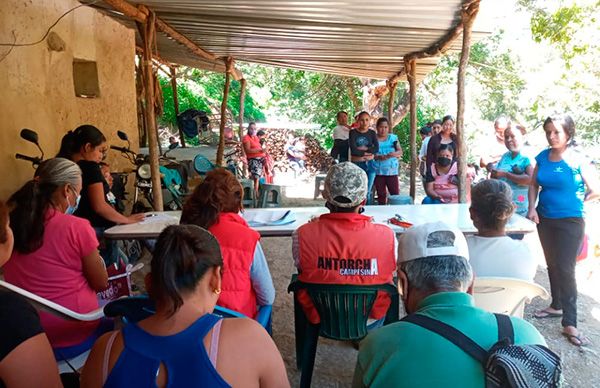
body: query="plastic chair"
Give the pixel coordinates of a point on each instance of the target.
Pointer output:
(136, 308)
(319, 182)
(344, 311)
(506, 295)
(269, 195)
(248, 198)
(75, 361)
(202, 165)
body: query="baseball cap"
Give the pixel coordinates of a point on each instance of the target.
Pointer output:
(345, 185)
(432, 239)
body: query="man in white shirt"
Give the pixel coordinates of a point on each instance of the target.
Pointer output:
(340, 138)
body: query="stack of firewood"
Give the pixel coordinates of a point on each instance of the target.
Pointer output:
(317, 158)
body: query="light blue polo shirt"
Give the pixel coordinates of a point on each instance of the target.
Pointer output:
(406, 355)
(520, 192)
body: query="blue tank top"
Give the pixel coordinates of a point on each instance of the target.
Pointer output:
(183, 354)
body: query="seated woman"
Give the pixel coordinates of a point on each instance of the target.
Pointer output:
(86, 146)
(56, 254)
(441, 180)
(492, 252)
(183, 344)
(26, 359)
(214, 205)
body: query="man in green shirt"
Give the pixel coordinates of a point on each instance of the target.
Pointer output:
(435, 280)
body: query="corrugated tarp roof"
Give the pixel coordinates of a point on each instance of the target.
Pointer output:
(345, 37)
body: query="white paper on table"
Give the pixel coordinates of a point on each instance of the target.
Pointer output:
(157, 217)
(270, 217)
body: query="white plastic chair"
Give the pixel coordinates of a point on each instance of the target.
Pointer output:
(506, 295)
(44, 304)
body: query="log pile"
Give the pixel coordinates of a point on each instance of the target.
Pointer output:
(317, 158)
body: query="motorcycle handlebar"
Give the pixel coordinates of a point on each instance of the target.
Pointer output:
(121, 149)
(32, 159)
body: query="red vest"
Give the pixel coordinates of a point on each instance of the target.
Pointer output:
(346, 248)
(238, 243)
(254, 143)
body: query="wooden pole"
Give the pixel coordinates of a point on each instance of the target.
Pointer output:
(468, 17)
(176, 101)
(392, 93)
(242, 101)
(411, 74)
(150, 117)
(221, 147)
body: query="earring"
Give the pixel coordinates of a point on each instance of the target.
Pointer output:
(217, 291)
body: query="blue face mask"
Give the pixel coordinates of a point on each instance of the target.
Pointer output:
(72, 209)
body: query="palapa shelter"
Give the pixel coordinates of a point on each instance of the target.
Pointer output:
(384, 39)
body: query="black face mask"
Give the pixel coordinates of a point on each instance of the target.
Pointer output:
(444, 162)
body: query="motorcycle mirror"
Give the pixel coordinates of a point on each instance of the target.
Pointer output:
(172, 146)
(122, 135)
(30, 136)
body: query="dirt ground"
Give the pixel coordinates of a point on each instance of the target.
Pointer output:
(334, 365)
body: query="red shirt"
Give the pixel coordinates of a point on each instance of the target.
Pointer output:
(254, 143)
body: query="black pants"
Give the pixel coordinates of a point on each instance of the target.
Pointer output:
(340, 150)
(561, 240)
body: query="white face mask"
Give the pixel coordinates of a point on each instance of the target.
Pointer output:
(72, 209)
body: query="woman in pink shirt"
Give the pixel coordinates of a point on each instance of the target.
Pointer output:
(56, 254)
(441, 180)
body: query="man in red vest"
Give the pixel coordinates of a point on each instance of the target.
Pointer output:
(344, 246)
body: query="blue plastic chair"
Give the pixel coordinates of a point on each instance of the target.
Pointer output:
(136, 308)
(202, 165)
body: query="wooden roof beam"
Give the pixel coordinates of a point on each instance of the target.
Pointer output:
(140, 14)
(442, 45)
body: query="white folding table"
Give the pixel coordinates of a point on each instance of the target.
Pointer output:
(454, 214)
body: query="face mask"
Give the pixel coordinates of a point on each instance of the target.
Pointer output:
(72, 209)
(444, 162)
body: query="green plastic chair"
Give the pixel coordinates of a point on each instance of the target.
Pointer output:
(343, 309)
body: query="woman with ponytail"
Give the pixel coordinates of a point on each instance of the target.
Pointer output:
(86, 146)
(215, 205)
(491, 251)
(55, 253)
(563, 179)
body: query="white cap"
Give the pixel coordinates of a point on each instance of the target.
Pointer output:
(432, 239)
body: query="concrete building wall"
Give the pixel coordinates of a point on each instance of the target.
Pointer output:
(36, 82)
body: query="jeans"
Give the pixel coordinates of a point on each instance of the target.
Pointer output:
(561, 240)
(430, 201)
(383, 183)
(370, 170)
(108, 248)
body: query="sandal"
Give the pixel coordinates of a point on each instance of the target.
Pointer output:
(541, 314)
(576, 339)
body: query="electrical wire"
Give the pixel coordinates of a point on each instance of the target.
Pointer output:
(47, 31)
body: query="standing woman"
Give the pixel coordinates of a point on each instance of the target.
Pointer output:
(515, 168)
(445, 136)
(562, 174)
(86, 146)
(363, 147)
(386, 161)
(255, 154)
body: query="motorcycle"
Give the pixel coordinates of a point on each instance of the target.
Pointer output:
(173, 179)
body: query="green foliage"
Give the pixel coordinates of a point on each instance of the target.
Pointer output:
(425, 114)
(186, 97)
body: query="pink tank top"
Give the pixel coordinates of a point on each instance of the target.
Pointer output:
(442, 185)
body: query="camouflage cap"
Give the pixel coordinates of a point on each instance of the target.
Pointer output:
(345, 185)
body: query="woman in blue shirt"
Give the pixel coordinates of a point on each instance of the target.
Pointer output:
(562, 175)
(515, 168)
(183, 344)
(386, 161)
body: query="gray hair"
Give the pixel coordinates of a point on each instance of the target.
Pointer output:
(438, 273)
(57, 172)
